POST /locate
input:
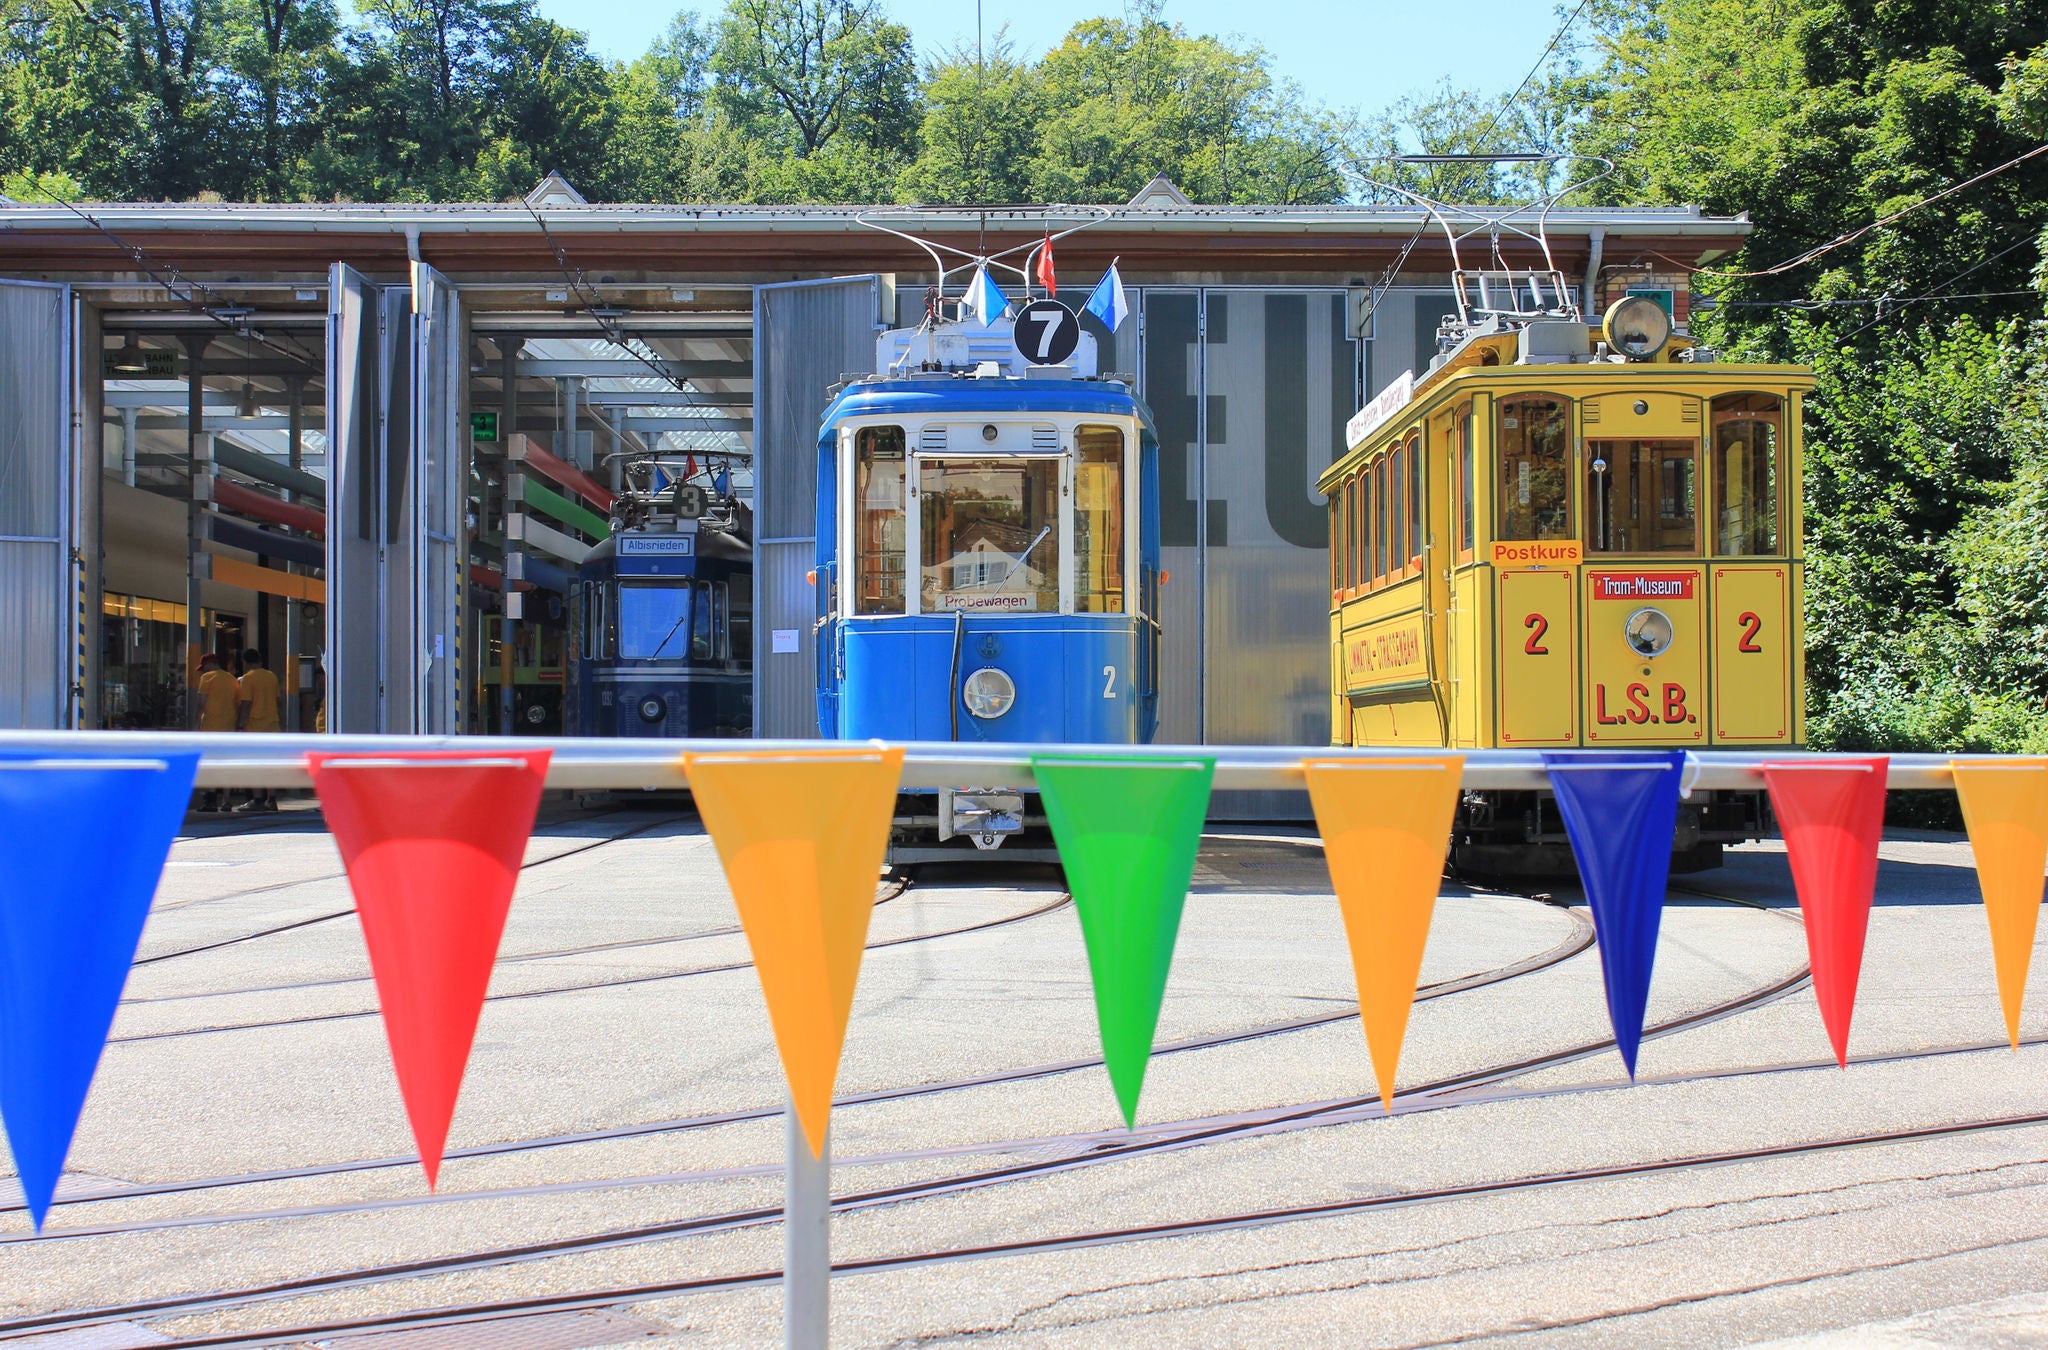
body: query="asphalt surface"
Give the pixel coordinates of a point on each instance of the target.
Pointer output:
(245, 1131)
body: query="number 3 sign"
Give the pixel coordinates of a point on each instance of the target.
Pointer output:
(1046, 332)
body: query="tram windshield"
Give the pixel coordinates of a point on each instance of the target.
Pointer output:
(1099, 521)
(654, 622)
(990, 534)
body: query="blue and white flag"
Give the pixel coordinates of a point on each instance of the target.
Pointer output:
(1108, 302)
(986, 298)
(659, 479)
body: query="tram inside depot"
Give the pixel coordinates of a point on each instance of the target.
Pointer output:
(992, 533)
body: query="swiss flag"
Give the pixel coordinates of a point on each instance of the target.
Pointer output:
(1045, 273)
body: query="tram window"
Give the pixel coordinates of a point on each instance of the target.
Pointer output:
(654, 621)
(702, 637)
(1414, 533)
(1379, 520)
(1099, 521)
(1641, 496)
(991, 530)
(1361, 530)
(878, 531)
(1746, 473)
(1534, 487)
(1465, 484)
(1341, 503)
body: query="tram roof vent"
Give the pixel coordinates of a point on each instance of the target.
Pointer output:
(931, 438)
(1045, 439)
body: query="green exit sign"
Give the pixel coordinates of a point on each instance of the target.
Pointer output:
(483, 426)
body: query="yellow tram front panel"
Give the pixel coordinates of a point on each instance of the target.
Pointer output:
(1753, 659)
(1635, 698)
(1536, 674)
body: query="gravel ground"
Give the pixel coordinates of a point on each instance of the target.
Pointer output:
(1727, 1212)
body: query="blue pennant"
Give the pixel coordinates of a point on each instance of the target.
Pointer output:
(1620, 811)
(82, 842)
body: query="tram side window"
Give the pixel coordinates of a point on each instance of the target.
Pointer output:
(1361, 530)
(1746, 473)
(1535, 484)
(1099, 521)
(1379, 520)
(1415, 539)
(1466, 487)
(878, 531)
(1342, 503)
(702, 638)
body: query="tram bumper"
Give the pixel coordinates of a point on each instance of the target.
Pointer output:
(985, 815)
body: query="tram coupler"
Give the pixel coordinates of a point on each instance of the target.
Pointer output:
(987, 816)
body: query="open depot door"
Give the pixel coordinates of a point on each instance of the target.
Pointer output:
(807, 334)
(398, 468)
(38, 488)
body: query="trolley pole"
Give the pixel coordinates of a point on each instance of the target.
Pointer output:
(806, 1241)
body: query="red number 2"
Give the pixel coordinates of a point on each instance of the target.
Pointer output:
(1537, 626)
(1750, 624)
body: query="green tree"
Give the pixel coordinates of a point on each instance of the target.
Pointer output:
(807, 73)
(980, 130)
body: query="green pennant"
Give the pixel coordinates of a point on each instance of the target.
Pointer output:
(1127, 830)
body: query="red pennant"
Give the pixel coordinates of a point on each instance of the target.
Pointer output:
(1046, 277)
(1832, 815)
(432, 842)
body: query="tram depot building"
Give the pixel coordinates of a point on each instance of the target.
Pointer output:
(373, 441)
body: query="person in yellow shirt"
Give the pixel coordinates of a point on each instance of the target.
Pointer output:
(258, 710)
(217, 708)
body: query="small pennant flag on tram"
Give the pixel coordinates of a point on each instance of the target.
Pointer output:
(1108, 302)
(1046, 276)
(986, 298)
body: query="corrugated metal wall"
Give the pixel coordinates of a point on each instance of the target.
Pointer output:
(440, 435)
(35, 506)
(1251, 389)
(806, 335)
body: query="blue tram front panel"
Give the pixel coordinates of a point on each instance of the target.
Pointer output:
(1076, 678)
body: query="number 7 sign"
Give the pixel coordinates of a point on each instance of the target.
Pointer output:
(1046, 333)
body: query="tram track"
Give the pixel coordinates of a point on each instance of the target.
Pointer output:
(158, 957)
(1577, 940)
(616, 982)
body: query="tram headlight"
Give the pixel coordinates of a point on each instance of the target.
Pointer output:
(1649, 632)
(1637, 327)
(653, 709)
(988, 693)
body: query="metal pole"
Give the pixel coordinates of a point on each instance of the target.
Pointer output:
(806, 1240)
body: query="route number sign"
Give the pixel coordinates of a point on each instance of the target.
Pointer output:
(1046, 333)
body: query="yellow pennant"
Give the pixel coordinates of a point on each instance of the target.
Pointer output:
(1385, 825)
(2005, 806)
(802, 834)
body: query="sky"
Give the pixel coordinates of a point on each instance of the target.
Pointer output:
(1343, 53)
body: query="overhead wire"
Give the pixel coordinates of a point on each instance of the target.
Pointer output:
(224, 313)
(1386, 281)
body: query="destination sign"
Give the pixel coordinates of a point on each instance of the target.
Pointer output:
(1642, 585)
(663, 545)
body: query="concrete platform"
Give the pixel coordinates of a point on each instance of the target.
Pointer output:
(619, 1133)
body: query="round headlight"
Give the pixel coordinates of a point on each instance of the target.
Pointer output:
(1649, 632)
(652, 709)
(1637, 327)
(988, 693)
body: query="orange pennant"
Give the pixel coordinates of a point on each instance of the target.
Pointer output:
(2005, 806)
(802, 834)
(1385, 825)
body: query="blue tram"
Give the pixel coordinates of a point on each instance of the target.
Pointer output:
(987, 564)
(660, 633)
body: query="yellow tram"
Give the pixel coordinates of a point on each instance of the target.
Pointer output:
(1571, 536)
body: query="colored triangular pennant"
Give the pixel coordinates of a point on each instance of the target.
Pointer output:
(1831, 813)
(1620, 811)
(82, 842)
(1385, 826)
(432, 842)
(802, 835)
(1128, 831)
(2005, 807)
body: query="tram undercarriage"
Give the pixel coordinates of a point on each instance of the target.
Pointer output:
(966, 824)
(1521, 834)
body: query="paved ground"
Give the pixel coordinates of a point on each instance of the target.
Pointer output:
(618, 1137)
